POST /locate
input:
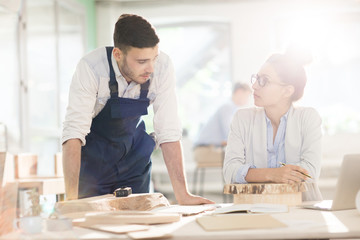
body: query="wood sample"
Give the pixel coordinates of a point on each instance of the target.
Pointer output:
(290, 194)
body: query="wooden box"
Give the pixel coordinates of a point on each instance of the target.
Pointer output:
(25, 165)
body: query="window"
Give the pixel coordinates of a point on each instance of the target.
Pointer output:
(40, 50)
(200, 52)
(55, 43)
(9, 72)
(333, 74)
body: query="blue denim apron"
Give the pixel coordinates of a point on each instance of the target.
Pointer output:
(118, 149)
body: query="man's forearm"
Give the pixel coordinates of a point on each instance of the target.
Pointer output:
(174, 162)
(71, 165)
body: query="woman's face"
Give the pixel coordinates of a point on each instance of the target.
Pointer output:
(269, 90)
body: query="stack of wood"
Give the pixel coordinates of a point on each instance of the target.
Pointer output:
(117, 214)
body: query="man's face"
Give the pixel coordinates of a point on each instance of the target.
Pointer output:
(137, 64)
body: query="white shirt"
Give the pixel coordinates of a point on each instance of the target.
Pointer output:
(89, 92)
(275, 150)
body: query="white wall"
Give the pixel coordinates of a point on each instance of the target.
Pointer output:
(254, 23)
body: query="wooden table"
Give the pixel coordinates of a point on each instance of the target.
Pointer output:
(301, 224)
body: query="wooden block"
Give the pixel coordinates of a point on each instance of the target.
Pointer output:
(139, 202)
(7, 169)
(8, 201)
(127, 217)
(118, 229)
(290, 194)
(25, 165)
(58, 165)
(290, 199)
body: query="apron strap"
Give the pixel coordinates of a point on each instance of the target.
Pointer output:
(113, 85)
(144, 89)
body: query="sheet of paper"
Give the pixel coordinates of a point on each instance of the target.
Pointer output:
(253, 208)
(238, 222)
(185, 210)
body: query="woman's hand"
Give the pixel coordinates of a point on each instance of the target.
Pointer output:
(288, 174)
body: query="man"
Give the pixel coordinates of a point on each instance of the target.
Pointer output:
(105, 145)
(213, 136)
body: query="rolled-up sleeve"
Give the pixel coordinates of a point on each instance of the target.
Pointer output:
(242, 172)
(82, 99)
(167, 123)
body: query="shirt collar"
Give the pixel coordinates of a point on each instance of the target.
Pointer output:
(283, 117)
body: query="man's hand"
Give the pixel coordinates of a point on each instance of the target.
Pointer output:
(190, 199)
(173, 159)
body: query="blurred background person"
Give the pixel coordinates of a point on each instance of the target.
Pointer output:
(213, 136)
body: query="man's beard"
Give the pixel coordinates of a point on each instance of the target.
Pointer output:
(126, 72)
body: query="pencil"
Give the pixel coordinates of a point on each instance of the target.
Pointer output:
(307, 175)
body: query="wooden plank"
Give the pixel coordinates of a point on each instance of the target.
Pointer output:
(58, 165)
(139, 202)
(119, 229)
(127, 217)
(8, 201)
(7, 169)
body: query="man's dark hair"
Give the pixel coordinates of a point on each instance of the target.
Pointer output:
(134, 31)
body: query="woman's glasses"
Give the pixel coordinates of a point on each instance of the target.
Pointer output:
(263, 80)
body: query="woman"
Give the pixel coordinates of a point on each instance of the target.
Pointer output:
(276, 132)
